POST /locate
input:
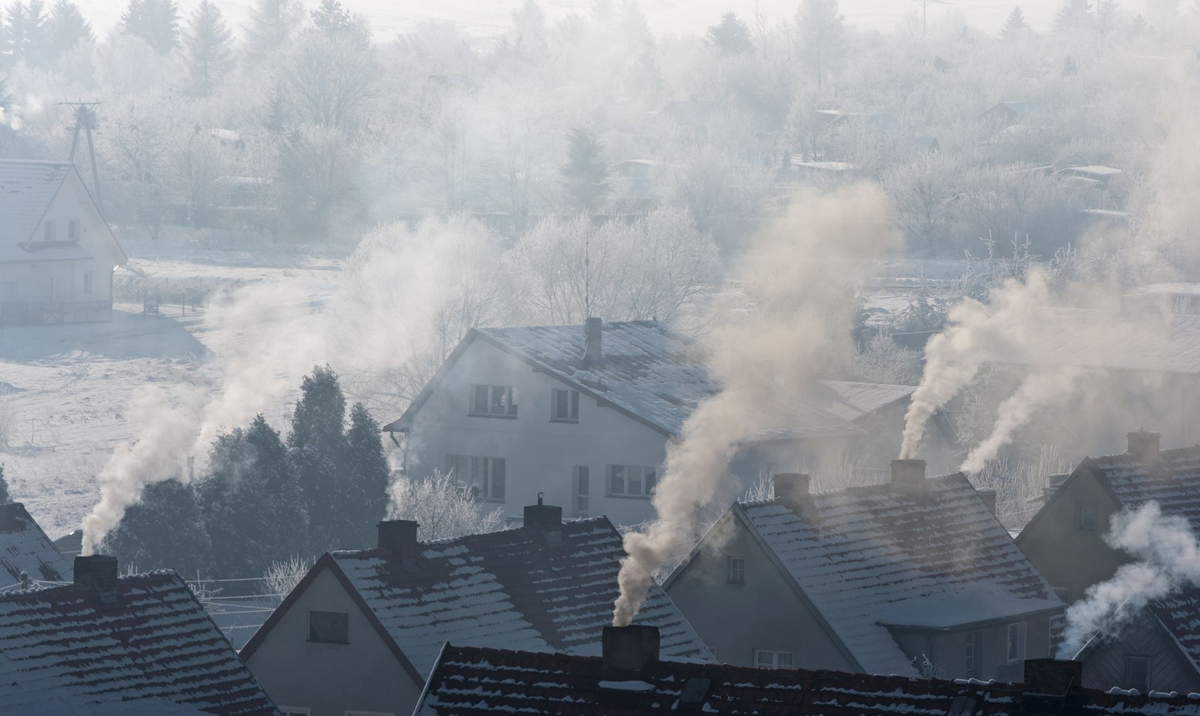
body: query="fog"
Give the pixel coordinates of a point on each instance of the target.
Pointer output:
(985, 208)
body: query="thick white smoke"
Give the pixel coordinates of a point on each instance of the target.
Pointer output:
(798, 276)
(1168, 559)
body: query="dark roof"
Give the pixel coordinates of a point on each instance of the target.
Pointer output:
(469, 681)
(874, 557)
(62, 647)
(648, 372)
(514, 588)
(24, 547)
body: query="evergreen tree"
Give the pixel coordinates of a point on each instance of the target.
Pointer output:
(14, 33)
(731, 36)
(164, 530)
(1106, 19)
(1074, 16)
(209, 48)
(318, 444)
(272, 23)
(366, 469)
(4, 498)
(67, 28)
(334, 21)
(155, 21)
(585, 175)
(35, 50)
(822, 35)
(1015, 26)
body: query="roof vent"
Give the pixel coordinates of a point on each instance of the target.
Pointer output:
(400, 538)
(628, 650)
(99, 573)
(1144, 446)
(988, 495)
(908, 475)
(791, 488)
(546, 518)
(695, 692)
(592, 355)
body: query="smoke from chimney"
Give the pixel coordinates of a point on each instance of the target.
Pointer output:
(798, 276)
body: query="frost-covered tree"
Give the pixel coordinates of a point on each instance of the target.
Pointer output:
(154, 21)
(282, 577)
(318, 181)
(1074, 16)
(1015, 27)
(163, 530)
(209, 45)
(67, 28)
(317, 444)
(731, 36)
(271, 25)
(333, 21)
(329, 80)
(4, 498)
(442, 509)
(822, 35)
(365, 470)
(1107, 17)
(585, 175)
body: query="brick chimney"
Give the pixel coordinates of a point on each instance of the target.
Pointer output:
(988, 495)
(592, 355)
(1144, 446)
(791, 488)
(908, 475)
(545, 518)
(98, 572)
(628, 650)
(400, 538)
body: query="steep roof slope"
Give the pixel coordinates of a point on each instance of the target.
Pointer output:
(852, 400)
(470, 681)
(154, 642)
(26, 190)
(515, 589)
(1174, 482)
(871, 556)
(24, 547)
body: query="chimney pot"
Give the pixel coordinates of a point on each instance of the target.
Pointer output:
(792, 487)
(1144, 445)
(988, 495)
(628, 650)
(99, 573)
(1051, 676)
(908, 474)
(547, 518)
(592, 354)
(400, 538)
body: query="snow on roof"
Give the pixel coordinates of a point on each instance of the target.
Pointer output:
(155, 642)
(1094, 170)
(966, 607)
(1174, 482)
(852, 400)
(647, 371)
(1179, 615)
(513, 589)
(24, 547)
(863, 552)
(471, 681)
(1174, 288)
(26, 190)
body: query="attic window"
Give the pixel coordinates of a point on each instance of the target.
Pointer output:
(493, 401)
(737, 570)
(1137, 673)
(1086, 513)
(329, 627)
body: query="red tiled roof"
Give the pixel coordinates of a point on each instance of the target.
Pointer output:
(155, 642)
(471, 681)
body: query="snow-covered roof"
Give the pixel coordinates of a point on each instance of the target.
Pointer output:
(471, 681)
(514, 588)
(61, 645)
(1019, 108)
(852, 400)
(864, 555)
(1172, 288)
(26, 190)
(648, 372)
(1174, 482)
(24, 547)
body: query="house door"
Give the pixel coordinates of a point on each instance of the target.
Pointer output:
(580, 490)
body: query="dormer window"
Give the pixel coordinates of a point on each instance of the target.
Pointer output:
(493, 401)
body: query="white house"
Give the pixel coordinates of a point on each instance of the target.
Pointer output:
(582, 414)
(57, 254)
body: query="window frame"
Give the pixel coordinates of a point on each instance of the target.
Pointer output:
(1080, 508)
(480, 465)
(72, 230)
(572, 405)
(776, 656)
(735, 569)
(508, 407)
(974, 653)
(581, 499)
(295, 710)
(1021, 631)
(49, 231)
(311, 640)
(88, 282)
(1127, 680)
(647, 481)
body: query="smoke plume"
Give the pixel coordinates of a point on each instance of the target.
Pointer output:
(1168, 559)
(798, 278)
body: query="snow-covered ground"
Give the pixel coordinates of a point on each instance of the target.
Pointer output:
(65, 390)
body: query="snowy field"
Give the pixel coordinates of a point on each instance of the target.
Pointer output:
(487, 18)
(65, 390)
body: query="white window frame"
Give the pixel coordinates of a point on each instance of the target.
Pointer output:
(87, 282)
(581, 498)
(72, 230)
(735, 570)
(646, 481)
(503, 401)
(775, 658)
(1015, 652)
(1079, 517)
(974, 653)
(572, 405)
(481, 475)
(49, 231)
(295, 711)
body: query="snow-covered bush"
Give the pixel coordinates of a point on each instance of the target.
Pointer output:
(443, 510)
(282, 577)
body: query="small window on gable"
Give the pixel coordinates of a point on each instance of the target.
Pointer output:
(48, 230)
(736, 572)
(974, 653)
(493, 401)
(632, 480)
(1086, 512)
(564, 405)
(329, 627)
(1137, 673)
(1016, 642)
(770, 659)
(72, 230)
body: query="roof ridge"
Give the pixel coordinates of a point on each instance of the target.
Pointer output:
(948, 477)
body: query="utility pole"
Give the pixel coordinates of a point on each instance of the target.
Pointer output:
(85, 119)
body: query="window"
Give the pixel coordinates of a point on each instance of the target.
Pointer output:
(974, 653)
(580, 490)
(295, 711)
(493, 401)
(564, 405)
(329, 627)
(736, 572)
(631, 480)
(87, 281)
(72, 230)
(767, 659)
(1087, 516)
(48, 231)
(483, 477)
(1016, 643)
(1137, 673)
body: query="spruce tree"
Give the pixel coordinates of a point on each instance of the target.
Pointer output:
(14, 33)
(164, 530)
(272, 23)
(366, 469)
(4, 498)
(318, 443)
(35, 49)
(209, 48)
(585, 175)
(334, 21)
(822, 36)
(154, 21)
(67, 28)
(1015, 26)
(731, 36)
(1074, 16)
